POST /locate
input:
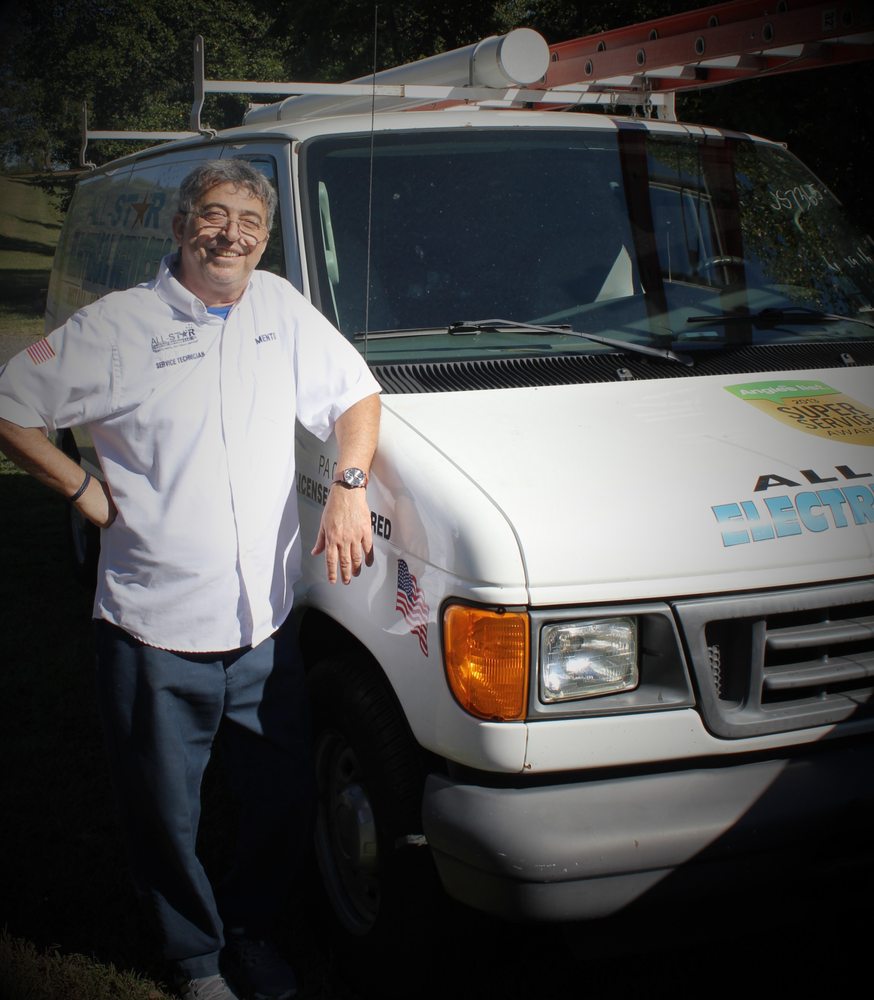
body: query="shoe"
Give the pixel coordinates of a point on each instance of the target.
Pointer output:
(258, 970)
(207, 988)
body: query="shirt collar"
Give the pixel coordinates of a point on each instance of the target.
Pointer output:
(177, 296)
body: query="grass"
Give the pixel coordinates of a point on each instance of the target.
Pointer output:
(30, 226)
(26, 973)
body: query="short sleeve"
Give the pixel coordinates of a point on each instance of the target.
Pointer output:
(66, 379)
(331, 375)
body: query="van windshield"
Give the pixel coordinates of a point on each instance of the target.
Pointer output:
(643, 235)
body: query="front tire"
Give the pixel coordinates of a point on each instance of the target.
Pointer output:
(375, 873)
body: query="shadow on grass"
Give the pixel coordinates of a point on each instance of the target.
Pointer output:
(30, 246)
(24, 291)
(62, 867)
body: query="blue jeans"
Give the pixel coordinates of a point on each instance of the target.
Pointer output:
(161, 713)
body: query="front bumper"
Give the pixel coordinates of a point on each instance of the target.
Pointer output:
(591, 848)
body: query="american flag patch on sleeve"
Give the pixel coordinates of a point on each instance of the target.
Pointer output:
(41, 351)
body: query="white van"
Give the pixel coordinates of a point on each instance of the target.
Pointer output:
(620, 626)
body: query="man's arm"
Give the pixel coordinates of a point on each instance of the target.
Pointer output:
(344, 533)
(30, 449)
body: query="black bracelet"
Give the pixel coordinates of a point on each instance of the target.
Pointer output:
(82, 488)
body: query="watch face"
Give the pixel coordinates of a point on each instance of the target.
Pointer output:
(354, 477)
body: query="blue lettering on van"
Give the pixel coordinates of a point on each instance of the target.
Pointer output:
(785, 516)
(103, 260)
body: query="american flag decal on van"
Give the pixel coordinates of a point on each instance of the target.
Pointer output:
(412, 606)
(41, 351)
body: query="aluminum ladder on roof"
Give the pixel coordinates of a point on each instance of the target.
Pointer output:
(714, 46)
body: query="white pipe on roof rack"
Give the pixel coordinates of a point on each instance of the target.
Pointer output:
(519, 57)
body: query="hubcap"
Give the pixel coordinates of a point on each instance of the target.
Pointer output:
(346, 840)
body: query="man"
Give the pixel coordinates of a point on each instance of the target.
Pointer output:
(190, 386)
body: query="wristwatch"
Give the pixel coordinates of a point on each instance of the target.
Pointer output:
(352, 479)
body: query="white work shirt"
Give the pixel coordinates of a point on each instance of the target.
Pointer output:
(192, 418)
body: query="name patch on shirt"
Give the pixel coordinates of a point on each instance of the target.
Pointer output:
(176, 338)
(263, 338)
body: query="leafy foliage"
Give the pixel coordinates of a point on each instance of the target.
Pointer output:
(130, 60)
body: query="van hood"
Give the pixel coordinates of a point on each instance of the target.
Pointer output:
(672, 486)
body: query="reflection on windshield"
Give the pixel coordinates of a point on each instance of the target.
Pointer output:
(623, 233)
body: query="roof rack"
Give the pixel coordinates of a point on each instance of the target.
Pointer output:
(499, 71)
(641, 66)
(89, 135)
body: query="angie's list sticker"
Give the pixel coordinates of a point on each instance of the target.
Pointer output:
(813, 407)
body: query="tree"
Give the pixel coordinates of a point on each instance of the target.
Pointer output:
(130, 60)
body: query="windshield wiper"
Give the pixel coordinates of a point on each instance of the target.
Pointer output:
(775, 316)
(509, 326)
(427, 331)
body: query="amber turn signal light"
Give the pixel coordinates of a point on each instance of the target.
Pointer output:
(487, 660)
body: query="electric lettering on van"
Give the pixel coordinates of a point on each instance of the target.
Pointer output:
(788, 514)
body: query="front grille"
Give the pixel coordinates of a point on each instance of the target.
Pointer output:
(780, 660)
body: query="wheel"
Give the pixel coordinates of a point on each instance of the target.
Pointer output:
(368, 819)
(83, 537)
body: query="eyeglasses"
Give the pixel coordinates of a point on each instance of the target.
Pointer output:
(217, 219)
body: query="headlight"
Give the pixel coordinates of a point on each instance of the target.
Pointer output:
(583, 659)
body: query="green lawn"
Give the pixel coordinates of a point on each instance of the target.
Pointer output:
(29, 225)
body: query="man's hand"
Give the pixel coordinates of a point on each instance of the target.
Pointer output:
(344, 534)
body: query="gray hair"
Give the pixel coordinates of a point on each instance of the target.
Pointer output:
(232, 171)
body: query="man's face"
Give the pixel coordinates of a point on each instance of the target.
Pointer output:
(216, 261)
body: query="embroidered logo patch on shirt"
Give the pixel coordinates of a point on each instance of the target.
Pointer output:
(41, 351)
(176, 338)
(264, 338)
